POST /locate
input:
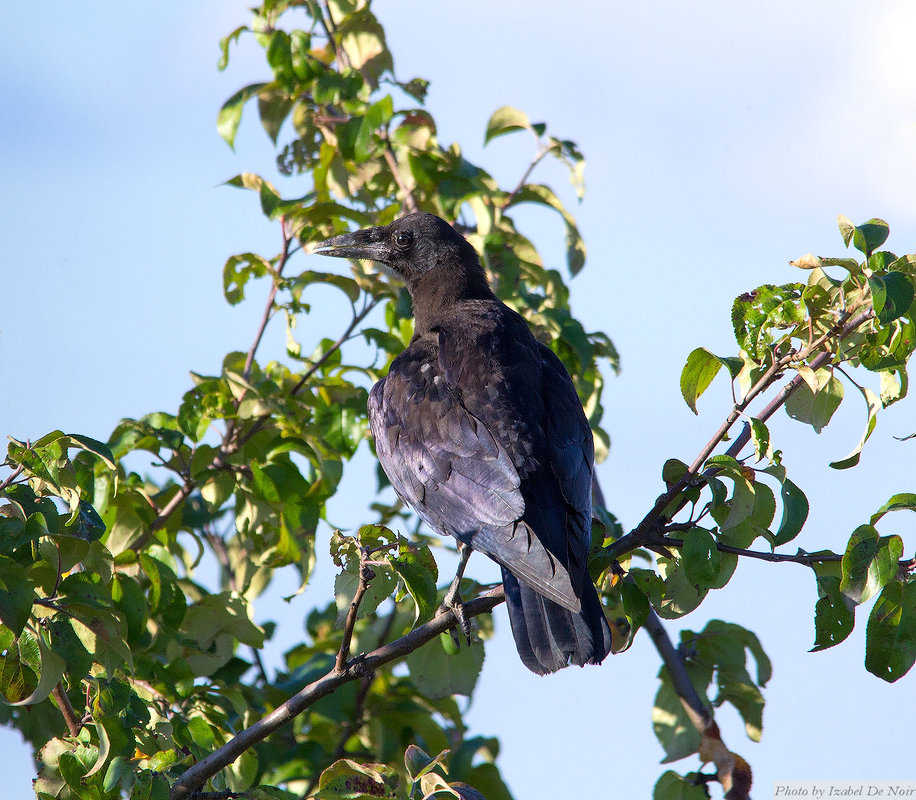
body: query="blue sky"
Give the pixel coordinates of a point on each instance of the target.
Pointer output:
(722, 140)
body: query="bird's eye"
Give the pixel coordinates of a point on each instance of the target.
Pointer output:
(402, 239)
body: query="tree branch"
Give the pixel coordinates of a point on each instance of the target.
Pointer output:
(843, 327)
(806, 559)
(358, 720)
(66, 709)
(699, 713)
(205, 769)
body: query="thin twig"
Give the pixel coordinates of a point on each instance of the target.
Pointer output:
(365, 576)
(330, 28)
(66, 709)
(840, 330)
(409, 200)
(269, 307)
(183, 493)
(524, 179)
(207, 767)
(358, 719)
(336, 346)
(805, 559)
(11, 477)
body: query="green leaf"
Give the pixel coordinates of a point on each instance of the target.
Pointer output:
(760, 437)
(346, 284)
(17, 593)
(93, 446)
(673, 470)
(736, 687)
(741, 504)
(19, 665)
(890, 638)
(847, 228)
(675, 732)
(224, 46)
(130, 600)
(273, 109)
(118, 768)
(417, 567)
(636, 609)
(238, 270)
(376, 116)
(701, 367)
(230, 115)
(760, 315)
(874, 406)
(363, 40)
(41, 460)
(892, 295)
(700, 558)
(348, 780)
(270, 200)
(544, 195)
(894, 386)
(905, 501)
(869, 236)
(279, 54)
(816, 408)
(505, 120)
(794, 513)
(51, 669)
(418, 762)
(436, 674)
(671, 786)
(834, 617)
(218, 489)
(381, 587)
(681, 596)
(869, 563)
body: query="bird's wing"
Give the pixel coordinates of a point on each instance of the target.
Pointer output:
(572, 456)
(460, 478)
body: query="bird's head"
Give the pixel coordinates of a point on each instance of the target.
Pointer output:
(409, 248)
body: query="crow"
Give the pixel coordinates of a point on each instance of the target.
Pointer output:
(480, 430)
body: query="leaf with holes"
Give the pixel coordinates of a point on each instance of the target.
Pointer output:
(890, 638)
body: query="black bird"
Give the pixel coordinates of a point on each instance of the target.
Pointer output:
(480, 430)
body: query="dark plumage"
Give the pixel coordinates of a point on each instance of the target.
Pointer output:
(479, 428)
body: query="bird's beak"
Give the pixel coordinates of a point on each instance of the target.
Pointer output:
(368, 243)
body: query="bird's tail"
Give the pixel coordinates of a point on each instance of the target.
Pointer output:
(550, 637)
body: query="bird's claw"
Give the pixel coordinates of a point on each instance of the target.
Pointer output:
(454, 604)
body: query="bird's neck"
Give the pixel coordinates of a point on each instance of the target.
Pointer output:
(436, 297)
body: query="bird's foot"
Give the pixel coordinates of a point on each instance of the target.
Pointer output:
(453, 603)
